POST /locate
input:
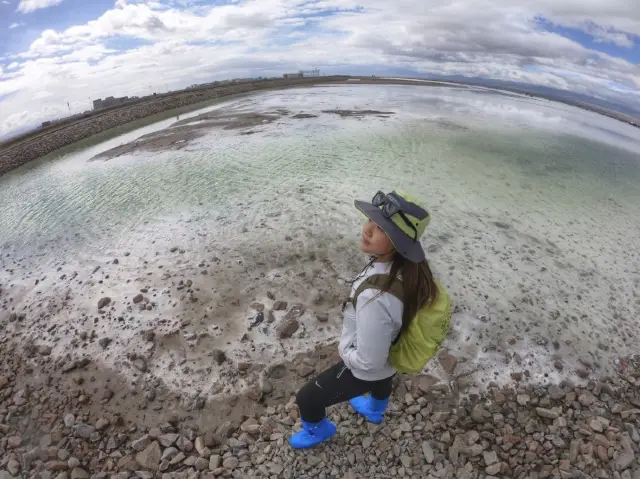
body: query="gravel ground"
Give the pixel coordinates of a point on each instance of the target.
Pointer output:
(73, 421)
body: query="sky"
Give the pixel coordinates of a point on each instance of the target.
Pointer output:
(56, 56)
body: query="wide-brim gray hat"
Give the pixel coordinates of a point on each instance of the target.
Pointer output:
(404, 227)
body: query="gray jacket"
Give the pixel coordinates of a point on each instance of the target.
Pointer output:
(369, 330)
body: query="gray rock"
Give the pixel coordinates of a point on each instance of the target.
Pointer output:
(295, 312)
(141, 443)
(595, 425)
(230, 462)
(201, 464)
(287, 327)
(150, 457)
(479, 414)
(624, 460)
(279, 306)
(214, 462)
(137, 298)
(83, 430)
(199, 445)
(547, 413)
(427, 451)
(490, 457)
(266, 386)
(73, 462)
(169, 453)
(104, 302)
(555, 392)
(102, 424)
(440, 416)
(44, 350)
(586, 398)
(104, 342)
(184, 444)
(448, 362)
(140, 364)
(13, 467)
(69, 420)
(493, 469)
(219, 356)
(168, 439)
(79, 473)
(69, 366)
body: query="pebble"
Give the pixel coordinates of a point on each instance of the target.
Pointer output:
(230, 462)
(150, 457)
(279, 306)
(69, 420)
(79, 473)
(490, 457)
(104, 302)
(428, 453)
(287, 327)
(547, 413)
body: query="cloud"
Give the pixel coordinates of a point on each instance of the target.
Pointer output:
(608, 35)
(179, 42)
(16, 25)
(28, 6)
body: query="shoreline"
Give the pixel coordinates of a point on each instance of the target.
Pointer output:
(36, 144)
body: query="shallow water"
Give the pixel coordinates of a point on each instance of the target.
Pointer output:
(535, 227)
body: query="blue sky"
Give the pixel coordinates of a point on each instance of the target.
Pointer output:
(630, 53)
(59, 52)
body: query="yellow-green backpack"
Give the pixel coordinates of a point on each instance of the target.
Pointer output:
(412, 349)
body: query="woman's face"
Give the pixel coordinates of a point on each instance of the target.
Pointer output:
(374, 240)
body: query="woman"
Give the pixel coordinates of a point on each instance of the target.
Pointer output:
(375, 319)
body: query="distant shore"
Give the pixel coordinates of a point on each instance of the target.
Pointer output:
(36, 144)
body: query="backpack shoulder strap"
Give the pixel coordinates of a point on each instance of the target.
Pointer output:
(378, 281)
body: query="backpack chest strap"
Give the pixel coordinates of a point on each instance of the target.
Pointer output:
(378, 281)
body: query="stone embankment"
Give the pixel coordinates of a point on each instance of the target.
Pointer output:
(34, 146)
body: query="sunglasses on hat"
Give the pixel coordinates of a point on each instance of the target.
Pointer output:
(390, 205)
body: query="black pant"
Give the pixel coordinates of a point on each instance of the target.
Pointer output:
(333, 386)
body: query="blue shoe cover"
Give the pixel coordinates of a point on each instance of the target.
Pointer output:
(372, 409)
(312, 433)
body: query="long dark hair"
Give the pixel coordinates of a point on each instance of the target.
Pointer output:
(420, 289)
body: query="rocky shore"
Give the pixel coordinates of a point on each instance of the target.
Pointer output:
(59, 424)
(18, 153)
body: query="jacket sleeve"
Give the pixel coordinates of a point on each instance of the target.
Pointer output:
(374, 333)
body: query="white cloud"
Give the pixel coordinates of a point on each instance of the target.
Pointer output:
(6, 2)
(179, 43)
(608, 35)
(28, 6)
(16, 25)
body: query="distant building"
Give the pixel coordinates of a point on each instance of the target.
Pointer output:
(110, 101)
(302, 74)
